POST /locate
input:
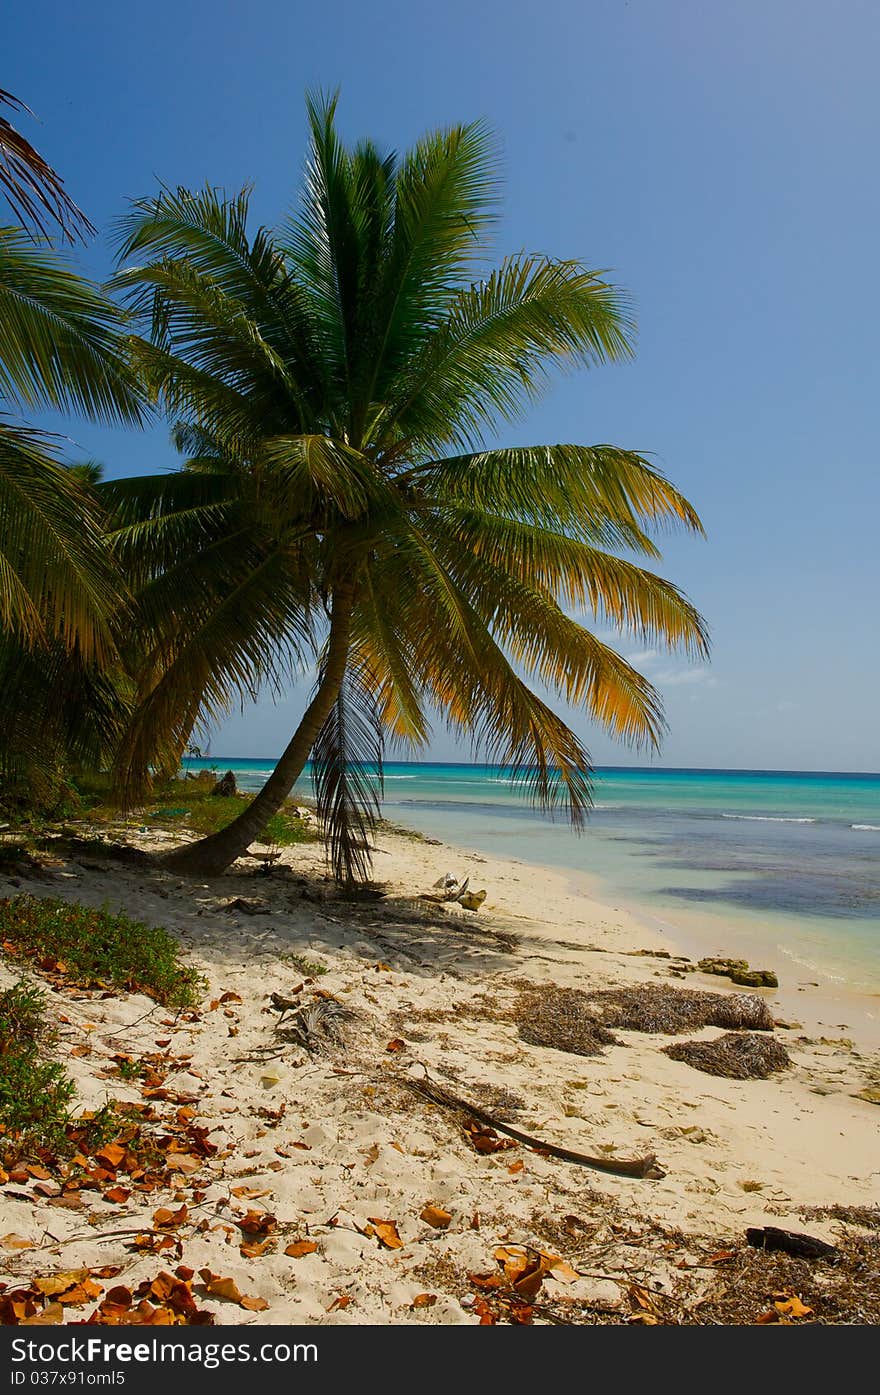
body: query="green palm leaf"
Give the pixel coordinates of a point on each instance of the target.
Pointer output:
(57, 580)
(60, 339)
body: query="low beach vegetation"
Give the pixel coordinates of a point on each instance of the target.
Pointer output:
(97, 948)
(35, 1092)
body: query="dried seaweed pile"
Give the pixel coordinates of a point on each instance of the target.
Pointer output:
(652, 1007)
(867, 1216)
(759, 1287)
(560, 1018)
(668, 1278)
(737, 1055)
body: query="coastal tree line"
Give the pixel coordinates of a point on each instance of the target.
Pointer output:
(335, 388)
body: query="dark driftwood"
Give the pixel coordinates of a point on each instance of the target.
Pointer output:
(791, 1242)
(646, 1167)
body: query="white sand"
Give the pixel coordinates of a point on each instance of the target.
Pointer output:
(736, 1153)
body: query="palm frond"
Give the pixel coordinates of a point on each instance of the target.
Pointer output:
(57, 577)
(347, 775)
(618, 592)
(34, 191)
(316, 470)
(61, 340)
(445, 195)
(474, 685)
(221, 626)
(492, 355)
(389, 657)
(596, 493)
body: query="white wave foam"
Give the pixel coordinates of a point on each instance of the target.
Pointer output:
(823, 970)
(765, 818)
(868, 827)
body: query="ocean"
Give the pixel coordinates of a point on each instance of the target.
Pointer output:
(781, 867)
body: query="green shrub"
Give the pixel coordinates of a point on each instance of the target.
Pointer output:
(188, 803)
(98, 949)
(214, 812)
(34, 1092)
(311, 968)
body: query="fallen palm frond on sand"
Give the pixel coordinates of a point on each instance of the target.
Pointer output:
(645, 1167)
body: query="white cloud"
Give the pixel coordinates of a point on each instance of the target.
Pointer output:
(643, 658)
(674, 678)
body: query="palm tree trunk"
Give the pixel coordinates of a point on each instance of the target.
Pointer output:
(212, 855)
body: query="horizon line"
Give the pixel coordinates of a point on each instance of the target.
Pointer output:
(655, 769)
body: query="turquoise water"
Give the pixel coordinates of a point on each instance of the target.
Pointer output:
(786, 863)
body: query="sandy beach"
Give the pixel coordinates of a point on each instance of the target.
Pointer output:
(332, 1160)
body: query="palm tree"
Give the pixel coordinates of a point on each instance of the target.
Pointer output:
(334, 385)
(61, 347)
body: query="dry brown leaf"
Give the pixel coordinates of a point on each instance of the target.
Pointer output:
(49, 1189)
(342, 1300)
(396, 1044)
(184, 1162)
(387, 1233)
(300, 1248)
(111, 1155)
(559, 1269)
(435, 1216)
(258, 1223)
(424, 1300)
(72, 1201)
(219, 1287)
(86, 1292)
(485, 1139)
(529, 1284)
(120, 1296)
(514, 1259)
(486, 1315)
(256, 1249)
(54, 1284)
(167, 1219)
(16, 1242)
(52, 1314)
(791, 1306)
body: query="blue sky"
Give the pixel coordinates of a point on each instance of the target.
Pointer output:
(720, 159)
